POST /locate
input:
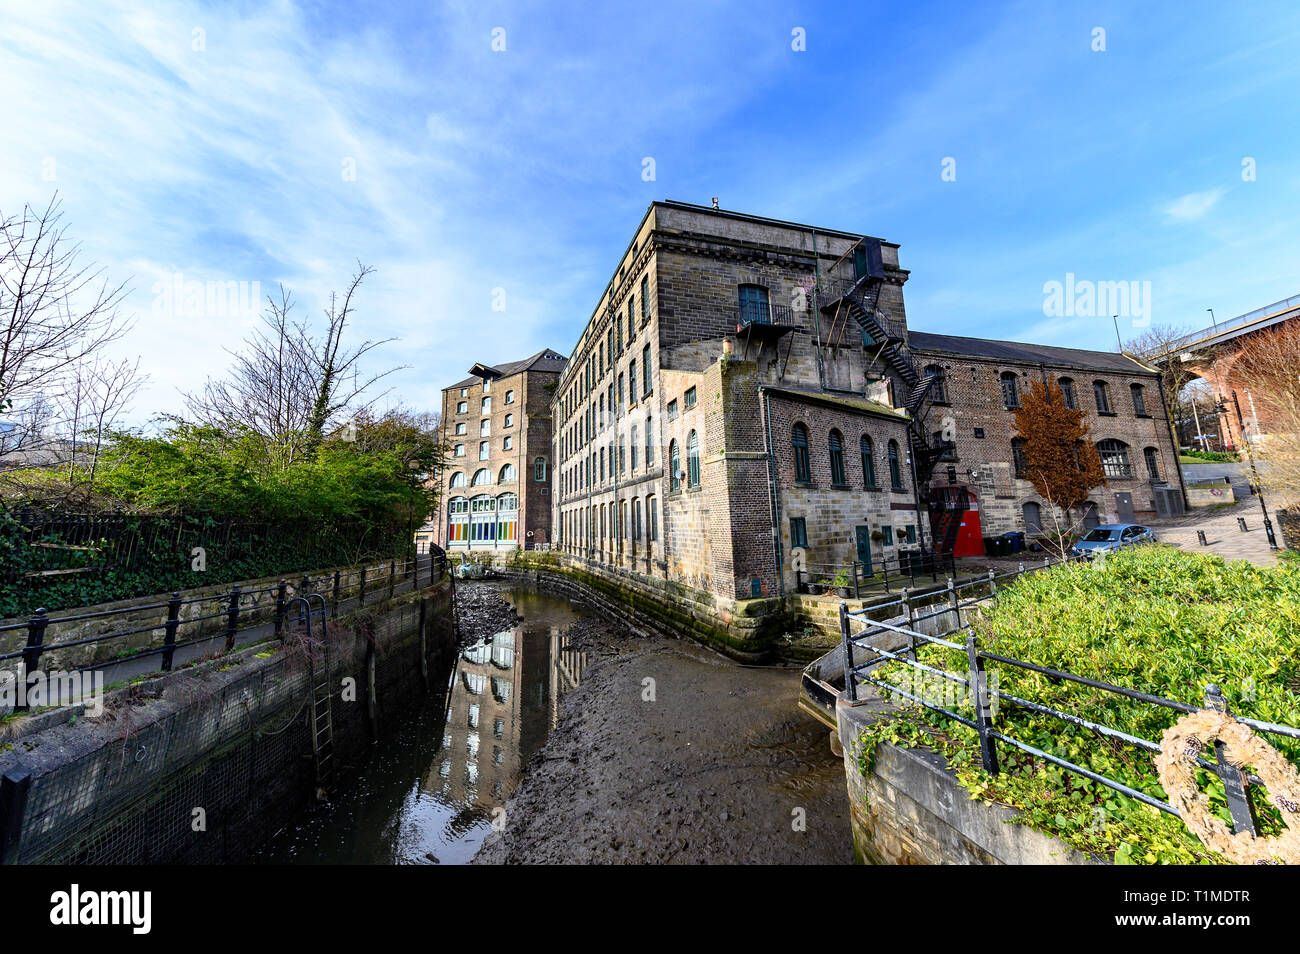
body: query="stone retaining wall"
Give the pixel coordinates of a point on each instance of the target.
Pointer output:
(911, 810)
(225, 744)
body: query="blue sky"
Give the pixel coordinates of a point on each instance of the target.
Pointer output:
(522, 169)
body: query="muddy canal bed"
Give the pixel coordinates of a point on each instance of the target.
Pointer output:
(668, 754)
(565, 738)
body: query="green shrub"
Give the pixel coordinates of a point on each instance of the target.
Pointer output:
(1153, 619)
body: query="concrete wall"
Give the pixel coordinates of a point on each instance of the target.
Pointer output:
(229, 737)
(911, 810)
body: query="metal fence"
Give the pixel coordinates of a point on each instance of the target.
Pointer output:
(196, 621)
(946, 615)
(57, 558)
(852, 580)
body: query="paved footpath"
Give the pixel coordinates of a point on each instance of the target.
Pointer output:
(1221, 532)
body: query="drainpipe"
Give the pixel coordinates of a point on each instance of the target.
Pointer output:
(773, 492)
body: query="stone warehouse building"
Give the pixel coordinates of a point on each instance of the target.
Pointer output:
(746, 398)
(495, 491)
(977, 386)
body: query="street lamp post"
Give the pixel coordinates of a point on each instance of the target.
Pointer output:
(1254, 474)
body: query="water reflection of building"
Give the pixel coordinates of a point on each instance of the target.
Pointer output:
(504, 700)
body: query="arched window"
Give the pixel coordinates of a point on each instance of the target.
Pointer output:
(539, 470)
(1018, 456)
(692, 460)
(457, 479)
(868, 451)
(507, 518)
(1102, 393)
(1139, 400)
(1067, 391)
(507, 475)
(802, 465)
(836, 445)
(895, 467)
(753, 305)
(458, 519)
(482, 477)
(1153, 462)
(674, 467)
(1033, 517)
(1009, 395)
(482, 520)
(1114, 459)
(938, 385)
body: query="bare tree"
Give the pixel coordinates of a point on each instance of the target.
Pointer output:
(289, 386)
(1268, 366)
(91, 406)
(55, 313)
(1159, 346)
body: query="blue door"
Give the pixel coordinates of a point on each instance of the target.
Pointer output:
(863, 537)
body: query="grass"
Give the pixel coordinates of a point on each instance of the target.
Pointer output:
(1153, 619)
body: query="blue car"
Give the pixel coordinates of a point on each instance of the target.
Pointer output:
(1109, 537)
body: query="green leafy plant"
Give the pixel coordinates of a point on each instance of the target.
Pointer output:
(1152, 619)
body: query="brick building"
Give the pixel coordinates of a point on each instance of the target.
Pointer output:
(495, 491)
(746, 395)
(977, 386)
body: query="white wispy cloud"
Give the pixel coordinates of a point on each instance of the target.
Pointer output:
(1193, 205)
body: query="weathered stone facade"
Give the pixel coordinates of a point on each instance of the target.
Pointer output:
(720, 339)
(499, 454)
(972, 401)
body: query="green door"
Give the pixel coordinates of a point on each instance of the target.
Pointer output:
(863, 537)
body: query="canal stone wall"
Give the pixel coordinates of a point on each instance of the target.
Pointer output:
(742, 629)
(204, 764)
(910, 809)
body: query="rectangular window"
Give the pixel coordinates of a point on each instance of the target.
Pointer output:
(672, 410)
(631, 380)
(510, 420)
(1139, 401)
(460, 450)
(462, 407)
(910, 531)
(631, 318)
(645, 298)
(487, 405)
(888, 533)
(689, 398)
(653, 507)
(460, 428)
(483, 450)
(507, 443)
(798, 532)
(645, 370)
(485, 427)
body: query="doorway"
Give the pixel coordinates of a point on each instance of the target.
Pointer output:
(862, 536)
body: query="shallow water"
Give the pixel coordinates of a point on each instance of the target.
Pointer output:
(426, 793)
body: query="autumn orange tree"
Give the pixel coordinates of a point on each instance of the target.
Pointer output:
(1060, 460)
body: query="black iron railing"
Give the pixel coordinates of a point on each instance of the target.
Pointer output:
(181, 619)
(764, 313)
(856, 579)
(946, 615)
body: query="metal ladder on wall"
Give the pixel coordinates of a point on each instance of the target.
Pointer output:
(321, 717)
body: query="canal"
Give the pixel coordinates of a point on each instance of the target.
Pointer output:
(716, 767)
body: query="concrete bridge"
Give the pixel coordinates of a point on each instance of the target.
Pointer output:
(1210, 353)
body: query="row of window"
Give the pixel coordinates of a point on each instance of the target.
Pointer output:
(604, 463)
(507, 475)
(799, 533)
(1114, 454)
(485, 448)
(622, 392)
(835, 447)
(602, 357)
(484, 426)
(938, 393)
(483, 519)
(462, 407)
(637, 520)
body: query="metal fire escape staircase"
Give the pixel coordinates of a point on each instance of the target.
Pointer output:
(859, 299)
